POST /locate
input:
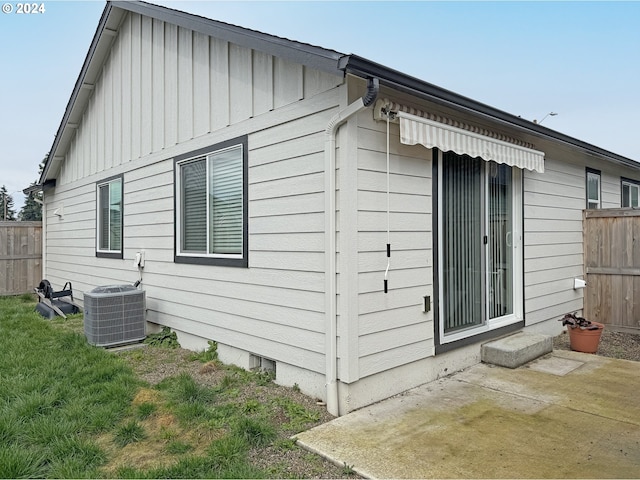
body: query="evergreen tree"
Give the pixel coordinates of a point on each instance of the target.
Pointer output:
(32, 210)
(7, 211)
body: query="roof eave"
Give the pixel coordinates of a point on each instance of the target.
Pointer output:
(364, 68)
(306, 54)
(100, 45)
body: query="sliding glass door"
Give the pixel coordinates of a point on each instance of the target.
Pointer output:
(477, 245)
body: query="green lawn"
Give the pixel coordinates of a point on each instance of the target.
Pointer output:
(70, 410)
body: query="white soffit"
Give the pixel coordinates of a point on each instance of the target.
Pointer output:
(419, 130)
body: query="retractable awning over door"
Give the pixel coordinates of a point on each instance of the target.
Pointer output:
(419, 130)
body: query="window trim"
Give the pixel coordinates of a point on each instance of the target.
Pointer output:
(226, 260)
(632, 183)
(592, 171)
(100, 253)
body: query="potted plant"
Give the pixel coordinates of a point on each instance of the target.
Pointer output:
(584, 335)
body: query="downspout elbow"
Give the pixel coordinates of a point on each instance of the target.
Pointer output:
(373, 88)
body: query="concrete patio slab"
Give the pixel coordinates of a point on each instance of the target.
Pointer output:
(495, 422)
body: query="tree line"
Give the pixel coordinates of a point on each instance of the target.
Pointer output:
(30, 211)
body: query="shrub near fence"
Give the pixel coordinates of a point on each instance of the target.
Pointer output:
(20, 257)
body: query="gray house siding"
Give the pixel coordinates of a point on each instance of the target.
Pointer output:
(165, 90)
(553, 204)
(163, 85)
(273, 309)
(553, 241)
(393, 330)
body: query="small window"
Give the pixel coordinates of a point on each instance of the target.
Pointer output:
(630, 193)
(211, 205)
(593, 189)
(109, 218)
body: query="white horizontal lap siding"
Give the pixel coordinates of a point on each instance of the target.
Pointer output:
(610, 187)
(71, 243)
(275, 308)
(169, 89)
(163, 85)
(392, 329)
(553, 257)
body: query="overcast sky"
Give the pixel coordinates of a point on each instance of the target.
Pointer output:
(579, 59)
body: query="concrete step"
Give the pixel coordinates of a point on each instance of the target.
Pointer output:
(516, 350)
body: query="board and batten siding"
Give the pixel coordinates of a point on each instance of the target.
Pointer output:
(392, 329)
(163, 85)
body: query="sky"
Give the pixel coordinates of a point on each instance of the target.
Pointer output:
(580, 60)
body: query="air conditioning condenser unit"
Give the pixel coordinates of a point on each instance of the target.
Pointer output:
(114, 315)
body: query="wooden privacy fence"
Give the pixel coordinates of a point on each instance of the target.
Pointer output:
(20, 257)
(612, 268)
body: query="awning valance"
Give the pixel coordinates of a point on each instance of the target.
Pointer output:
(419, 130)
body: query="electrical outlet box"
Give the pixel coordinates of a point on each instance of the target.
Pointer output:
(426, 304)
(138, 260)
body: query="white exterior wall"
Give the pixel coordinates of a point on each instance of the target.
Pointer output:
(386, 338)
(553, 241)
(165, 91)
(163, 85)
(142, 114)
(393, 330)
(553, 204)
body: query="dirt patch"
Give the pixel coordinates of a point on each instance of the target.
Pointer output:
(146, 395)
(282, 457)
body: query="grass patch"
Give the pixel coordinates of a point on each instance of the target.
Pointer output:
(71, 410)
(130, 432)
(256, 432)
(56, 390)
(299, 417)
(177, 447)
(145, 410)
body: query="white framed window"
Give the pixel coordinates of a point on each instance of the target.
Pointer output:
(480, 257)
(593, 189)
(630, 190)
(211, 205)
(109, 218)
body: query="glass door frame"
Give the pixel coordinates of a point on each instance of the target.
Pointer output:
(489, 324)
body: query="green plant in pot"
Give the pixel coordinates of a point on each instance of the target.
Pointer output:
(584, 335)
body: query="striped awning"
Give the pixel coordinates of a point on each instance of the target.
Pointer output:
(419, 130)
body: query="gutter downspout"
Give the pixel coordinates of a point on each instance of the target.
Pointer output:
(331, 342)
(45, 244)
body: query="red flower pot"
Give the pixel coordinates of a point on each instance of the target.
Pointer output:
(586, 341)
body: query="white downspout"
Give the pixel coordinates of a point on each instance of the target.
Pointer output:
(331, 343)
(44, 237)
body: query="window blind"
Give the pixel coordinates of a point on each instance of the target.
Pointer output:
(463, 208)
(103, 198)
(225, 194)
(194, 206)
(115, 215)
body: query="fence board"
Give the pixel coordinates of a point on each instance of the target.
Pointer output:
(612, 267)
(20, 257)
